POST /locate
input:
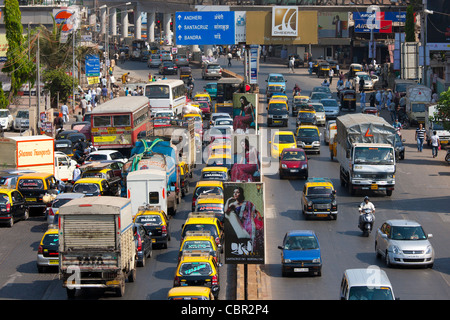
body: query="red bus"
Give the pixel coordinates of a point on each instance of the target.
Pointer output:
(116, 123)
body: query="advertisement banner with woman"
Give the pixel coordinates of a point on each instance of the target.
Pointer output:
(246, 158)
(245, 112)
(244, 223)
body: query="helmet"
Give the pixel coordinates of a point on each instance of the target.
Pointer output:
(366, 198)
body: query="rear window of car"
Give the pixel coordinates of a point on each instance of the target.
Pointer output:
(59, 202)
(86, 188)
(4, 199)
(195, 269)
(210, 190)
(213, 66)
(149, 219)
(94, 157)
(201, 227)
(196, 245)
(51, 240)
(31, 184)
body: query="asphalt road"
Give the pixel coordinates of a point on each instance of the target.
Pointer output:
(422, 194)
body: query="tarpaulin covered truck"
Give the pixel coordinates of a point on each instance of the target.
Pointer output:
(364, 149)
(96, 244)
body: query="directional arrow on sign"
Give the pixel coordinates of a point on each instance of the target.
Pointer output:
(179, 27)
(179, 17)
(179, 37)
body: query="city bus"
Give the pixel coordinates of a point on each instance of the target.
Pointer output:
(116, 123)
(166, 95)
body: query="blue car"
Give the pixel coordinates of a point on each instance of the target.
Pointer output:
(211, 89)
(276, 78)
(300, 253)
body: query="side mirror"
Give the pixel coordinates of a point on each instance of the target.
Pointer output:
(281, 247)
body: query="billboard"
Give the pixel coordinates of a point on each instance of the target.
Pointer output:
(333, 24)
(68, 18)
(284, 21)
(438, 25)
(244, 223)
(259, 29)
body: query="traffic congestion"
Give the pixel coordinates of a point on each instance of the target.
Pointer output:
(156, 164)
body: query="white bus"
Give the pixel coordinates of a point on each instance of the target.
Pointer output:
(166, 95)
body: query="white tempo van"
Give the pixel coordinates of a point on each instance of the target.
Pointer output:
(370, 283)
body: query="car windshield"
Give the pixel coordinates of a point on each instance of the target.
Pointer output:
(365, 77)
(307, 132)
(284, 138)
(31, 184)
(22, 114)
(321, 89)
(408, 233)
(319, 191)
(96, 157)
(88, 188)
(224, 122)
(301, 243)
(294, 156)
(149, 220)
(370, 293)
(276, 79)
(319, 95)
(51, 240)
(275, 88)
(157, 92)
(3, 113)
(197, 245)
(318, 108)
(306, 115)
(373, 155)
(329, 103)
(277, 106)
(195, 269)
(418, 107)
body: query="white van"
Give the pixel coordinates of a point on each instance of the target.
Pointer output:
(370, 283)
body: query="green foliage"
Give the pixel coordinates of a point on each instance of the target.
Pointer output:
(57, 80)
(443, 109)
(18, 66)
(410, 25)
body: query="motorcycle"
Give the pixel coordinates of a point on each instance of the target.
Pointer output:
(366, 221)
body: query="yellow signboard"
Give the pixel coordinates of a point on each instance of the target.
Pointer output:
(93, 80)
(259, 29)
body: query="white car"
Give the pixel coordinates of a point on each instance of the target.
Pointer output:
(164, 113)
(21, 122)
(404, 242)
(6, 119)
(320, 113)
(329, 131)
(223, 122)
(368, 82)
(217, 115)
(106, 155)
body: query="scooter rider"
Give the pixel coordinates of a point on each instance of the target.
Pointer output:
(366, 204)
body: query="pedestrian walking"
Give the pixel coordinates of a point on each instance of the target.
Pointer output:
(420, 137)
(83, 104)
(291, 64)
(310, 67)
(378, 98)
(330, 75)
(435, 144)
(363, 100)
(229, 56)
(104, 93)
(65, 113)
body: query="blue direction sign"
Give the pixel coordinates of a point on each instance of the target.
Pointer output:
(92, 65)
(204, 27)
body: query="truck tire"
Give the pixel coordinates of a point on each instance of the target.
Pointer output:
(389, 193)
(132, 274)
(120, 291)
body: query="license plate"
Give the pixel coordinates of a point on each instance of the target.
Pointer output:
(444, 141)
(294, 170)
(374, 187)
(153, 240)
(301, 269)
(277, 121)
(322, 215)
(31, 199)
(53, 262)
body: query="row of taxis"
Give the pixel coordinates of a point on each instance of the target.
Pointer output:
(202, 237)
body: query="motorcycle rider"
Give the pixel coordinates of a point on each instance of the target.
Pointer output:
(366, 204)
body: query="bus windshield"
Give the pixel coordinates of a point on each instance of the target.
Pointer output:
(157, 92)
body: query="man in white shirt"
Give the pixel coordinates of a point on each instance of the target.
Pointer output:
(435, 143)
(366, 204)
(76, 173)
(65, 112)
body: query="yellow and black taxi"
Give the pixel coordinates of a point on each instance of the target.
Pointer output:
(297, 103)
(308, 138)
(215, 173)
(206, 186)
(211, 202)
(184, 177)
(155, 221)
(48, 250)
(274, 89)
(13, 206)
(103, 171)
(306, 116)
(280, 141)
(220, 160)
(198, 268)
(34, 186)
(319, 199)
(199, 240)
(190, 293)
(277, 113)
(204, 222)
(92, 187)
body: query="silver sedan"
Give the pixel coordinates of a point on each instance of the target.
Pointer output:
(404, 242)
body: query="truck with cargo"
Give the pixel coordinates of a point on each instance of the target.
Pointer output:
(364, 149)
(150, 187)
(432, 123)
(35, 153)
(96, 244)
(418, 97)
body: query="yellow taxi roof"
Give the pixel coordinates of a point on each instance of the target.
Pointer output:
(195, 255)
(191, 115)
(90, 180)
(189, 291)
(4, 189)
(274, 85)
(220, 156)
(284, 133)
(38, 175)
(208, 169)
(212, 183)
(308, 127)
(301, 97)
(205, 218)
(198, 235)
(218, 199)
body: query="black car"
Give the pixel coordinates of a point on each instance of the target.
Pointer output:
(308, 138)
(168, 67)
(277, 114)
(306, 118)
(399, 148)
(13, 206)
(144, 245)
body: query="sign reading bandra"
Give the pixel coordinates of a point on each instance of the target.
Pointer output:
(205, 28)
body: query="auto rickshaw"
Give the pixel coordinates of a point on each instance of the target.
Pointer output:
(348, 99)
(83, 127)
(323, 69)
(332, 146)
(185, 73)
(65, 146)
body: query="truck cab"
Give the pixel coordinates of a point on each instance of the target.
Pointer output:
(432, 124)
(417, 99)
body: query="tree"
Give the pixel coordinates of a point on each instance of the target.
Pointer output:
(443, 109)
(410, 35)
(58, 82)
(19, 68)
